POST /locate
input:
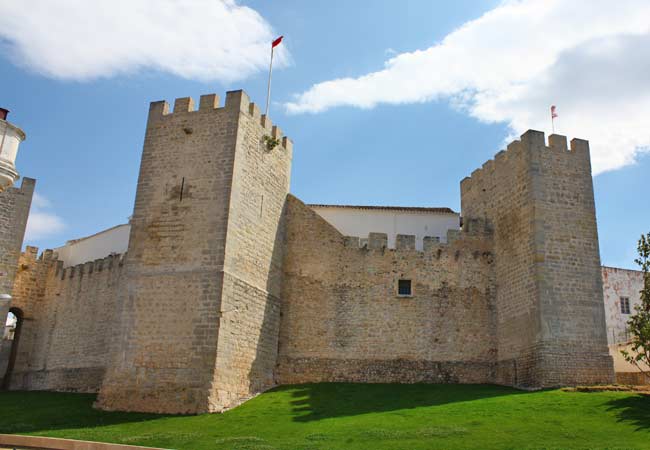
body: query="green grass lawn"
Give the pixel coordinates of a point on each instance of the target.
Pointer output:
(355, 416)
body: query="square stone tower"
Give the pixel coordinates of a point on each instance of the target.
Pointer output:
(200, 304)
(550, 318)
(14, 210)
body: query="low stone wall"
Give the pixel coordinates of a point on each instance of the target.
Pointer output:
(632, 378)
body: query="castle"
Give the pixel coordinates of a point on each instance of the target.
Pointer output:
(231, 285)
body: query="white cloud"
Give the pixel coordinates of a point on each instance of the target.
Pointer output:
(42, 223)
(591, 58)
(85, 39)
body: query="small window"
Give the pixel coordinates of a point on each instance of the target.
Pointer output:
(404, 287)
(625, 305)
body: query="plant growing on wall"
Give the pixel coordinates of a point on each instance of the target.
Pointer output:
(270, 142)
(639, 324)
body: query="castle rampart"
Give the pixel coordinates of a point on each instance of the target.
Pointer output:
(344, 320)
(230, 285)
(68, 321)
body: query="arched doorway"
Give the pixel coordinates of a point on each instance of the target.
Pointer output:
(10, 338)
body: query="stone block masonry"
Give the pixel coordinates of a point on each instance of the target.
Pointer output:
(549, 307)
(14, 210)
(231, 285)
(68, 321)
(200, 316)
(344, 320)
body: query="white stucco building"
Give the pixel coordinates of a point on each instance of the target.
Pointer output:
(98, 245)
(621, 291)
(393, 220)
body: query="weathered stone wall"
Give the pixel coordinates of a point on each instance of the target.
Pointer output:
(550, 315)
(342, 319)
(165, 350)
(250, 320)
(203, 247)
(14, 210)
(68, 322)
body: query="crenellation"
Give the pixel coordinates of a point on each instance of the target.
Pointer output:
(287, 144)
(58, 268)
(580, 146)
(377, 241)
(208, 102)
(237, 100)
(558, 142)
(405, 242)
(272, 293)
(351, 241)
(431, 243)
(266, 122)
(254, 112)
(533, 139)
(157, 110)
(488, 165)
(183, 105)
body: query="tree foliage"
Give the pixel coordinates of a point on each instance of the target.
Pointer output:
(639, 324)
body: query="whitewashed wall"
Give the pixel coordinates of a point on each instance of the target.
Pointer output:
(619, 283)
(360, 222)
(100, 245)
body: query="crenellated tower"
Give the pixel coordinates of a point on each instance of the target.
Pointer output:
(200, 298)
(550, 318)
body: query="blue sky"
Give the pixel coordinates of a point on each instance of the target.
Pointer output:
(387, 102)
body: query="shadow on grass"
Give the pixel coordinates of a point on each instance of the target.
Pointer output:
(33, 411)
(327, 400)
(634, 409)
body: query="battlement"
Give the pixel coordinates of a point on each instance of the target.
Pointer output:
(473, 238)
(110, 262)
(531, 139)
(209, 103)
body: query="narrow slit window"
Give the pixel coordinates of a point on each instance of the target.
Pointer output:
(404, 287)
(625, 305)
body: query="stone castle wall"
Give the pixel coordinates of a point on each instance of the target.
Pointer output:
(342, 319)
(68, 322)
(14, 210)
(165, 350)
(550, 315)
(200, 308)
(231, 286)
(250, 308)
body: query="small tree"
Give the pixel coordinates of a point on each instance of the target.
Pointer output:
(639, 323)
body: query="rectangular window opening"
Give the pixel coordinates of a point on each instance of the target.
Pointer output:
(625, 305)
(404, 288)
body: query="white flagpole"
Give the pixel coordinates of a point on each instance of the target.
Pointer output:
(553, 119)
(268, 89)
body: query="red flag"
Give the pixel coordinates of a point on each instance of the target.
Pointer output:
(553, 113)
(276, 42)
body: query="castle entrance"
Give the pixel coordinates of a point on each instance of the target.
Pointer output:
(9, 345)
